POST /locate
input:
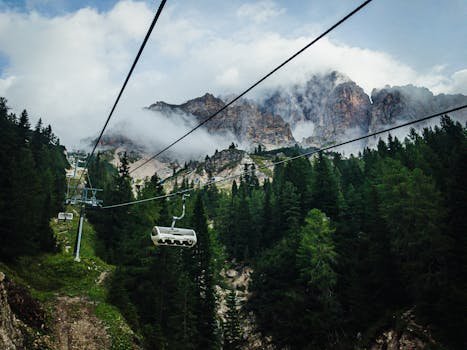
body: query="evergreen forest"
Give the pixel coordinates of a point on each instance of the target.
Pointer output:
(338, 245)
(32, 182)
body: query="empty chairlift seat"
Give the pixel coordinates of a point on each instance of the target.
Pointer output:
(177, 237)
(174, 236)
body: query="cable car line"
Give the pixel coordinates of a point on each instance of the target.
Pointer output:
(338, 23)
(138, 55)
(307, 154)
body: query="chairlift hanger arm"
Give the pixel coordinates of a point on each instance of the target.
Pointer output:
(175, 218)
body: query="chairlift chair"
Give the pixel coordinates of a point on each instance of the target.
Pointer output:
(174, 236)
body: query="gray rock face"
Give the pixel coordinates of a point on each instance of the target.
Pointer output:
(11, 337)
(411, 335)
(239, 279)
(392, 105)
(244, 119)
(308, 102)
(223, 159)
(331, 104)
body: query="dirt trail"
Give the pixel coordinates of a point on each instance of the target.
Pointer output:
(76, 326)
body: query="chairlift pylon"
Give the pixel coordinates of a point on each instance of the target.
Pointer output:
(174, 236)
(84, 198)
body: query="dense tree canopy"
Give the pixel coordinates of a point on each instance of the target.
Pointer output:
(32, 182)
(338, 245)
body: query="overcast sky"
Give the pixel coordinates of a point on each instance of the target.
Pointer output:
(65, 60)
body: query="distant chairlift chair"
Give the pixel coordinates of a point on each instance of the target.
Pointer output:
(174, 236)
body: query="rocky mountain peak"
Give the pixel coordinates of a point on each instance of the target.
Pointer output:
(304, 102)
(331, 103)
(244, 120)
(401, 103)
(326, 108)
(203, 106)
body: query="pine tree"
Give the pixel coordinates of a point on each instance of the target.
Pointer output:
(24, 126)
(299, 172)
(411, 208)
(234, 188)
(325, 188)
(316, 256)
(241, 225)
(115, 224)
(288, 209)
(232, 332)
(254, 182)
(32, 179)
(270, 234)
(200, 269)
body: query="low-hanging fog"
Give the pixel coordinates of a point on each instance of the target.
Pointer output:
(151, 131)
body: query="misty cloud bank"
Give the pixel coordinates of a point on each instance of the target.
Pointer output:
(151, 131)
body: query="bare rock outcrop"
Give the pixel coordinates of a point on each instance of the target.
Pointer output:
(69, 324)
(222, 160)
(238, 278)
(11, 337)
(244, 119)
(331, 102)
(21, 319)
(392, 105)
(411, 336)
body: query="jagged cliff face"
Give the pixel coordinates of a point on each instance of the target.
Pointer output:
(401, 103)
(223, 160)
(243, 119)
(323, 109)
(408, 335)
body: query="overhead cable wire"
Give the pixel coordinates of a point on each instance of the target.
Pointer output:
(338, 23)
(306, 154)
(135, 61)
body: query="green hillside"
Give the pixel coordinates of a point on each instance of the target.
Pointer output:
(52, 275)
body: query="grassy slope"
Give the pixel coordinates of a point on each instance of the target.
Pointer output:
(48, 276)
(260, 162)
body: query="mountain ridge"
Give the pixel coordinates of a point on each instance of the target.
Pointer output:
(320, 111)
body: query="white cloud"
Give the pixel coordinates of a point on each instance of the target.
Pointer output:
(158, 130)
(459, 82)
(260, 11)
(229, 77)
(303, 129)
(68, 69)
